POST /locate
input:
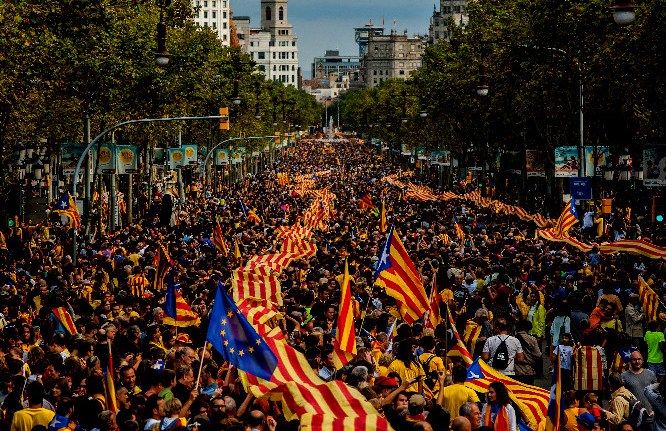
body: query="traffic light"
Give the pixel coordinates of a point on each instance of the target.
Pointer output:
(224, 122)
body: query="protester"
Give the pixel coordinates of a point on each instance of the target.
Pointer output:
(498, 413)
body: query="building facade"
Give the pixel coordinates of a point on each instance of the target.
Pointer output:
(215, 14)
(334, 63)
(362, 36)
(273, 46)
(391, 56)
(454, 10)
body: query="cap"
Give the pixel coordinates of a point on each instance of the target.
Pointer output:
(417, 400)
(386, 382)
(183, 338)
(587, 420)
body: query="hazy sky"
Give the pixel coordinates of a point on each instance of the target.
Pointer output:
(329, 24)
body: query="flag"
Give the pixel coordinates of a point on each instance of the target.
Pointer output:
(567, 219)
(176, 311)
(456, 345)
(649, 299)
(396, 273)
(471, 334)
(67, 206)
(365, 202)
(392, 331)
(237, 253)
(587, 369)
(65, 320)
(531, 400)
(555, 411)
(244, 207)
(382, 219)
(433, 318)
(236, 340)
(218, 240)
(247, 283)
(253, 217)
(345, 346)
(621, 360)
(109, 385)
(162, 264)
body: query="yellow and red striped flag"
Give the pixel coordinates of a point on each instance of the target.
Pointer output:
(382, 218)
(459, 232)
(365, 202)
(345, 336)
(567, 219)
(176, 311)
(218, 240)
(237, 253)
(649, 299)
(456, 345)
(109, 385)
(471, 334)
(397, 274)
(247, 283)
(433, 316)
(67, 206)
(65, 319)
(253, 217)
(531, 400)
(162, 264)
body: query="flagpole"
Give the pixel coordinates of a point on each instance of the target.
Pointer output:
(203, 353)
(446, 339)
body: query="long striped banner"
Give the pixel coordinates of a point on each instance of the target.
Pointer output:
(587, 369)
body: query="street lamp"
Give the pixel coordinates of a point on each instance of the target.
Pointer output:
(162, 55)
(623, 12)
(482, 88)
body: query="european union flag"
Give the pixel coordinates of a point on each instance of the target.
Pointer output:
(232, 335)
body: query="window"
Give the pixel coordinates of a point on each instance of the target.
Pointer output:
(262, 68)
(274, 68)
(214, 24)
(261, 55)
(224, 25)
(205, 14)
(374, 72)
(214, 14)
(268, 13)
(281, 13)
(293, 43)
(214, 4)
(224, 4)
(274, 55)
(251, 43)
(293, 56)
(224, 14)
(205, 4)
(402, 72)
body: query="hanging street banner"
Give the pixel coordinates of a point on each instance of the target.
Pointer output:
(221, 157)
(159, 157)
(237, 155)
(566, 162)
(176, 158)
(512, 162)
(126, 159)
(595, 156)
(654, 166)
(70, 153)
(441, 157)
(105, 155)
(535, 165)
(190, 151)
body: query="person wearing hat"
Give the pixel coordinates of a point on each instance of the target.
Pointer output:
(416, 407)
(385, 385)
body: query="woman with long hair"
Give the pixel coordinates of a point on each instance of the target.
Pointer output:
(498, 413)
(406, 365)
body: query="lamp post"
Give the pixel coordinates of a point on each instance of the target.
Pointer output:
(162, 55)
(32, 172)
(623, 12)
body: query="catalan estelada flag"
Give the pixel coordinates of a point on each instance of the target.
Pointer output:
(555, 403)
(366, 202)
(531, 400)
(345, 336)
(567, 219)
(649, 299)
(237, 341)
(456, 344)
(218, 240)
(253, 217)
(67, 206)
(176, 311)
(397, 274)
(109, 385)
(433, 316)
(65, 319)
(162, 264)
(471, 334)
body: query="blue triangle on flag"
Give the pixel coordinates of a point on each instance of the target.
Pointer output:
(474, 371)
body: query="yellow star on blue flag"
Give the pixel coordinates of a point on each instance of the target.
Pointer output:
(236, 340)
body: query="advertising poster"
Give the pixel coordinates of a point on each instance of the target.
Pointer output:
(126, 159)
(237, 155)
(566, 162)
(106, 159)
(535, 163)
(159, 157)
(221, 157)
(595, 156)
(441, 157)
(190, 152)
(70, 155)
(512, 162)
(176, 158)
(654, 166)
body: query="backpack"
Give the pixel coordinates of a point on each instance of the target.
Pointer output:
(501, 356)
(638, 414)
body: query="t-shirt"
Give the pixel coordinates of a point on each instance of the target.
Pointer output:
(565, 352)
(512, 345)
(636, 384)
(655, 355)
(26, 419)
(456, 395)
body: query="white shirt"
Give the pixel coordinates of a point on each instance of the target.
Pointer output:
(512, 345)
(588, 219)
(565, 352)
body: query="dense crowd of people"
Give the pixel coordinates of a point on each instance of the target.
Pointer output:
(528, 298)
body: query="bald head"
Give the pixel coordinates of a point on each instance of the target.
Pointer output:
(461, 423)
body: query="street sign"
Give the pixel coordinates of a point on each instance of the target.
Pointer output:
(581, 189)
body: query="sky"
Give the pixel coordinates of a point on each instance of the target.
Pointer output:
(329, 24)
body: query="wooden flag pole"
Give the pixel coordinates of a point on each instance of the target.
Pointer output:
(203, 353)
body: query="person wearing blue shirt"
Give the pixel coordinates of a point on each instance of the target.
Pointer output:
(209, 383)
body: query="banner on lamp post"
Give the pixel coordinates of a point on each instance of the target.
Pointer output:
(70, 153)
(159, 157)
(105, 156)
(654, 166)
(190, 152)
(534, 163)
(221, 157)
(176, 158)
(595, 157)
(441, 157)
(126, 159)
(566, 162)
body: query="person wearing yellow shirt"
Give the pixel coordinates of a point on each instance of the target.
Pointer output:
(457, 394)
(35, 414)
(407, 366)
(380, 345)
(533, 311)
(430, 361)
